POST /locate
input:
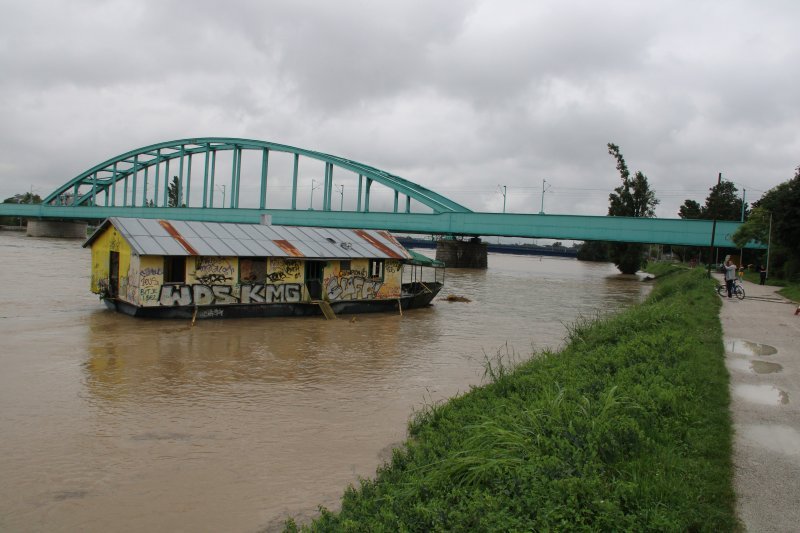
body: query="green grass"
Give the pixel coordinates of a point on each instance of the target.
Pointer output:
(626, 429)
(791, 291)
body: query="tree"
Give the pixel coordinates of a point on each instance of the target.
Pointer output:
(174, 192)
(631, 199)
(722, 203)
(690, 210)
(24, 198)
(593, 251)
(755, 228)
(781, 204)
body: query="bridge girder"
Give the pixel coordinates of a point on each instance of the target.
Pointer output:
(106, 175)
(564, 227)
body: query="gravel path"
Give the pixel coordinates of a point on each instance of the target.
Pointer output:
(762, 343)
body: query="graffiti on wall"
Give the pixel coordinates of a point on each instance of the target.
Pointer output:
(212, 279)
(128, 283)
(276, 276)
(283, 269)
(352, 285)
(199, 294)
(149, 283)
(213, 270)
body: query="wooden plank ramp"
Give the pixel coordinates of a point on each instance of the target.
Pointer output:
(327, 310)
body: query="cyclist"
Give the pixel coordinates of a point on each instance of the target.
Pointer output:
(730, 275)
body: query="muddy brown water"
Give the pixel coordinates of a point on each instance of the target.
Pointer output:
(110, 423)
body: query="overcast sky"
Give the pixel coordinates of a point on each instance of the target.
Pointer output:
(461, 96)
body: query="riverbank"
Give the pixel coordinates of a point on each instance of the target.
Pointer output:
(627, 428)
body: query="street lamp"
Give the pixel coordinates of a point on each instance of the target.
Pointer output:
(223, 193)
(314, 186)
(504, 196)
(341, 197)
(544, 190)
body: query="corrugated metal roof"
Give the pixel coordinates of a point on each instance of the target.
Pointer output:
(181, 237)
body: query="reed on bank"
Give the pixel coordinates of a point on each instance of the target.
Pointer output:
(626, 428)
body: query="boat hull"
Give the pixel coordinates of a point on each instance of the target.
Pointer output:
(406, 301)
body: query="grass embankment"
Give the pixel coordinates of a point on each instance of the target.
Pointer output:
(792, 292)
(627, 428)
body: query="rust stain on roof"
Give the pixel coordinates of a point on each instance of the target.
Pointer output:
(389, 237)
(178, 237)
(289, 248)
(377, 244)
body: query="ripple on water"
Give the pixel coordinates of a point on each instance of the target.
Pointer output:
(745, 347)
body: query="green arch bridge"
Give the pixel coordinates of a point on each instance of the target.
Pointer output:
(178, 180)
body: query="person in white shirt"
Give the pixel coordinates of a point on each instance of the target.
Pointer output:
(730, 276)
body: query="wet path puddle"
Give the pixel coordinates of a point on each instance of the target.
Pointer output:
(745, 347)
(762, 394)
(777, 438)
(765, 367)
(756, 366)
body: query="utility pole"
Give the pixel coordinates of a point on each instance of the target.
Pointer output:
(769, 241)
(713, 232)
(504, 196)
(744, 195)
(544, 190)
(341, 197)
(741, 250)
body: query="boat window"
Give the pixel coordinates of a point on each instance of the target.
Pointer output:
(175, 269)
(376, 269)
(252, 270)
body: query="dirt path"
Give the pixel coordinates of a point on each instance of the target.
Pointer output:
(762, 343)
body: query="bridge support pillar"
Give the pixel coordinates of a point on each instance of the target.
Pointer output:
(462, 254)
(56, 228)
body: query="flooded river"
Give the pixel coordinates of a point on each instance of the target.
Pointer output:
(110, 423)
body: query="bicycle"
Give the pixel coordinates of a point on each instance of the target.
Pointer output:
(737, 291)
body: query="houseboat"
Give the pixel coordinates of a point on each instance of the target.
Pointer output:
(189, 269)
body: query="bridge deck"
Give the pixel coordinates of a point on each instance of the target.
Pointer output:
(572, 227)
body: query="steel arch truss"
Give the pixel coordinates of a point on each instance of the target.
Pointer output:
(139, 168)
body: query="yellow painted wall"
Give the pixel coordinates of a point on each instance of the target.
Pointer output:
(212, 270)
(356, 284)
(280, 270)
(150, 279)
(110, 241)
(392, 279)
(130, 290)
